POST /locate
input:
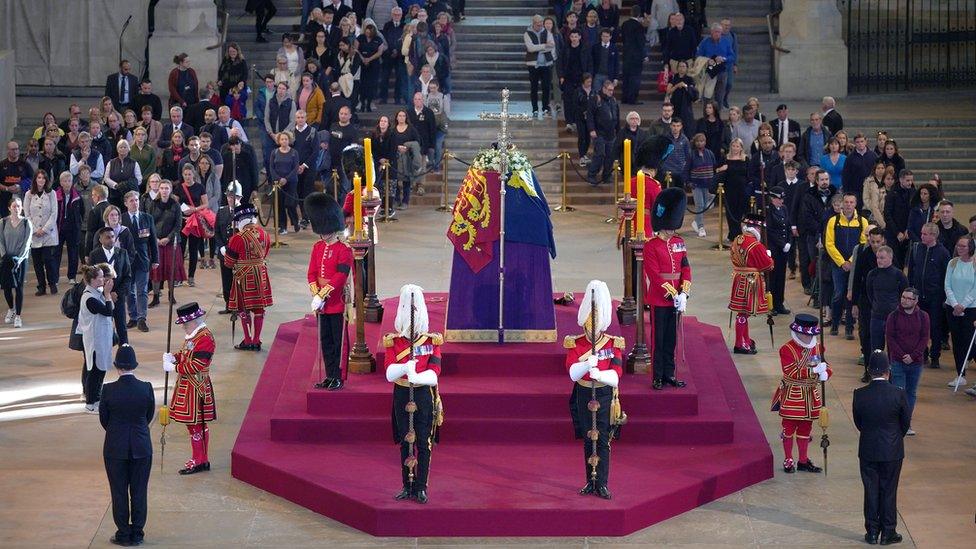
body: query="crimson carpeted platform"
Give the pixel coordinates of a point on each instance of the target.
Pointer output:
(508, 464)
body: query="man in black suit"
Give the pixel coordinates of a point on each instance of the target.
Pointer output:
(143, 229)
(881, 415)
(147, 97)
(240, 165)
(126, 409)
(832, 119)
(94, 221)
(121, 87)
(223, 230)
(785, 130)
(175, 123)
(118, 258)
(330, 114)
(307, 146)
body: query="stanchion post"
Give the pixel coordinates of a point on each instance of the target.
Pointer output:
(444, 179)
(564, 207)
(335, 184)
(627, 310)
(277, 243)
(721, 217)
(386, 195)
(639, 359)
(373, 307)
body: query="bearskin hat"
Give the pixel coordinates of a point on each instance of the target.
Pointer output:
(324, 213)
(653, 151)
(668, 212)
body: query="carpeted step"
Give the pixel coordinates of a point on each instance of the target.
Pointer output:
(517, 397)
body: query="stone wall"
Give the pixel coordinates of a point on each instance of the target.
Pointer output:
(8, 98)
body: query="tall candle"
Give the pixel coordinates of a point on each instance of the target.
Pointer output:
(640, 204)
(368, 146)
(627, 168)
(357, 205)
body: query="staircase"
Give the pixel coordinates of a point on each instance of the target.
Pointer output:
(755, 55)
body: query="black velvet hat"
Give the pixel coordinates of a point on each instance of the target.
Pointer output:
(804, 323)
(125, 358)
(188, 312)
(653, 151)
(668, 212)
(324, 213)
(878, 363)
(753, 220)
(244, 211)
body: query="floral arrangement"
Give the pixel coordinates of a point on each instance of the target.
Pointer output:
(491, 160)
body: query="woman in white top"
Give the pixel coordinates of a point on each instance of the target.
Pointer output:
(41, 208)
(960, 289)
(292, 53)
(96, 329)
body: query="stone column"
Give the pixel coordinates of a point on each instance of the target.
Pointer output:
(817, 63)
(184, 26)
(8, 95)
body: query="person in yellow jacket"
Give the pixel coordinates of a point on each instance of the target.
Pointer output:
(844, 231)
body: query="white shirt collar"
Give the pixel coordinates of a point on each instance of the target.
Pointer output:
(195, 331)
(301, 129)
(108, 253)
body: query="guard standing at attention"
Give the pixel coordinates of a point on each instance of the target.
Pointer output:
(594, 361)
(667, 280)
(750, 260)
(250, 292)
(414, 369)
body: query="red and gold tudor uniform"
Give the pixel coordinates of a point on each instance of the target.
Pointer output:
(193, 402)
(609, 354)
(667, 273)
(427, 353)
(328, 269)
(250, 288)
(750, 260)
(798, 398)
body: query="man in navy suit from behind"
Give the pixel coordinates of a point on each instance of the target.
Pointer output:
(126, 410)
(881, 415)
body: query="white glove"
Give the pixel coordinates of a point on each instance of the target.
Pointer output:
(169, 357)
(592, 361)
(578, 369)
(316, 304)
(223, 250)
(169, 366)
(823, 376)
(395, 372)
(411, 366)
(820, 368)
(769, 253)
(787, 248)
(681, 302)
(594, 374)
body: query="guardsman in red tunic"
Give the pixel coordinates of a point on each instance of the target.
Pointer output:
(414, 371)
(595, 376)
(667, 281)
(193, 400)
(750, 260)
(798, 398)
(250, 290)
(329, 267)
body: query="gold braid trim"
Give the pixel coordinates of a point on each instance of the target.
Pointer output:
(686, 287)
(670, 289)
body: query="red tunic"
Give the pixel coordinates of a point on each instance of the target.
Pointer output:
(652, 188)
(609, 353)
(798, 394)
(427, 352)
(750, 260)
(193, 397)
(250, 288)
(328, 269)
(666, 270)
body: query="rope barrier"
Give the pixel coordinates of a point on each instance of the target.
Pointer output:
(706, 208)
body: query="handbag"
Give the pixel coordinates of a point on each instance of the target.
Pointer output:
(715, 69)
(662, 80)
(199, 224)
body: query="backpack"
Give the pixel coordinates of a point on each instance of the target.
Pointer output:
(71, 301)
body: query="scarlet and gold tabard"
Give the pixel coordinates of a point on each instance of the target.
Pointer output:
(193, 396)
(750, 260)
(798, 394)
(245, 255)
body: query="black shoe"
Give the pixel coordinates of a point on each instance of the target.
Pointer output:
(934, 364)
(54, 289)
(260, 39)
(743, 351)
(421, 495)
(890, 538)
(338, 384)
(833, 331)
(40, 292)
(130, 324)
(143, 327)
(657, 385)
(789, 466)
(588, 489)
(195, 469)
(325, 383)
(404, 494)
(849, 336)
(155, 301)
(782, 311)
(866, 377)
(256, 346)
(871, 538)
(674, 382)
(136, 542)
(116, 540)
(808, 466)
(603, 492)
(224, 311)
(244, 346)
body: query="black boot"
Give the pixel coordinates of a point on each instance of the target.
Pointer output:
(325, 383)
(155, 300)
(657, 385)
(404, 494)
(674, 382)
(588, 489)
(421, 495)
(808, 466)
(603, 492)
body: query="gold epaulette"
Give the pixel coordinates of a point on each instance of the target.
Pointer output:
(388, 339)
(570, 342)
(436, 338)
(618, 342)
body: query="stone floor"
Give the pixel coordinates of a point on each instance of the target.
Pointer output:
(56, 495)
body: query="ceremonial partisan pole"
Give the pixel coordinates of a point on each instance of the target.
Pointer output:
(503, 116)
